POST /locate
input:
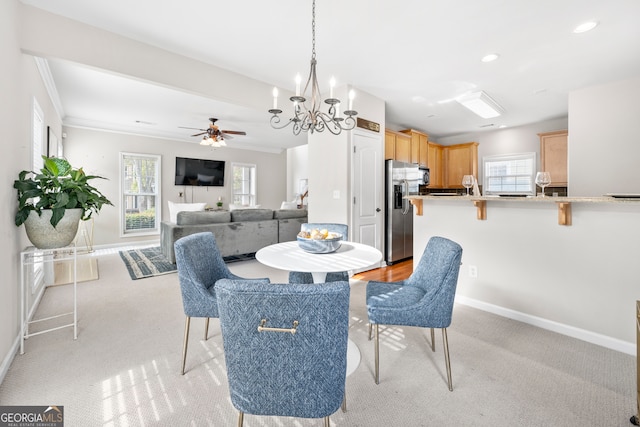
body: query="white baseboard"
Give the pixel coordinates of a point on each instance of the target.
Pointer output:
(571, 331)
(8, 359)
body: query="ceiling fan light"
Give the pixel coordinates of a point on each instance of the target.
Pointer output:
(481, 104)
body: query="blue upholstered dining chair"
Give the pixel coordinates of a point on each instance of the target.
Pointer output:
(425, 299)
(200, 266)
(302, 277)
(285, 347)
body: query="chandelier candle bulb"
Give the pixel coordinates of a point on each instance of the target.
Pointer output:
(275, 98)
(332, 84)
(298, 81)
(352, 95)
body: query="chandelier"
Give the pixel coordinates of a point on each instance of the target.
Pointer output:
(309, 118)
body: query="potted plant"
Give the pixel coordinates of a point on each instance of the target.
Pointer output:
(51, 203)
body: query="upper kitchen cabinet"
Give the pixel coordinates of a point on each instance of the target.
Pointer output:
(460, 160)
(419, 146)
(435, 164)
(397, 146)
(553, 156)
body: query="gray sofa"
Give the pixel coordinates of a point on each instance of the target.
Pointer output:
(239, 232)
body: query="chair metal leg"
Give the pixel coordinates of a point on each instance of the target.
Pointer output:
(327, 422)
(377, 353)
(344, 402)
(369, 331)
(240, 418)
(433, 340)
(206, 329)
(186, 341)
(445, 342)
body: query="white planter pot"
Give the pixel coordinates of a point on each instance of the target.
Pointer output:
(42, 234)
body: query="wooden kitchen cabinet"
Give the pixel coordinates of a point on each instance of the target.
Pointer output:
(389, 145)
(460, 160)
(397, 146)
(419, 148)
(435, 164)
(553, 156)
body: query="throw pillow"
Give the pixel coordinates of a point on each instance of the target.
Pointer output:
(174, 208)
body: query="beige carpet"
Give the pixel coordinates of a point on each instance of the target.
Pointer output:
(123, 370)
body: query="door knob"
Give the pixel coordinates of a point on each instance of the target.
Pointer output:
(378, 209)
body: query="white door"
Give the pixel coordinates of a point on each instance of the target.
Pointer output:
(367, 216)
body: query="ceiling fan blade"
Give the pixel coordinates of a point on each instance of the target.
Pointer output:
(235, 132)
(183, 127)
(198, 134)
(226, 136)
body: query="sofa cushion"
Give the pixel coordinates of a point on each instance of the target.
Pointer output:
(174, 208)
(240, 215)
(289, 213)
(205, 217)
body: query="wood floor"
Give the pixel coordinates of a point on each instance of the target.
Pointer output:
(391, 273)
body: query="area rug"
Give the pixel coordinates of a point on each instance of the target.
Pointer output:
(146, 262)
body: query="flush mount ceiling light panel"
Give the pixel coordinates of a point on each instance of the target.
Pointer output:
(481, 104)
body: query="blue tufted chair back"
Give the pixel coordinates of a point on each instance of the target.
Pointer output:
(279, 373)
(200, 266)
(426, 297)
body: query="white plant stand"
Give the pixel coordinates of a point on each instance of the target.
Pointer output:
(30, 257)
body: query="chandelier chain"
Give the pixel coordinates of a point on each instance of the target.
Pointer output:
(313, 30)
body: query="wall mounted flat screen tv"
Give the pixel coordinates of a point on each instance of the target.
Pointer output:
(201, 172)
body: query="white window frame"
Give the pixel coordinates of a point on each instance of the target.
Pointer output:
(37, 144)
(124, 193)
(514, 176)
(245, 197)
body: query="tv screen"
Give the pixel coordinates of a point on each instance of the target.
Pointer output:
(199, 172)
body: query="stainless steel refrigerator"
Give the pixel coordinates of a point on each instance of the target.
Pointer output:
(401, 179)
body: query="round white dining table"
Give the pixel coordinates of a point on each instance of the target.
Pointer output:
(350, 256)
(288, 256)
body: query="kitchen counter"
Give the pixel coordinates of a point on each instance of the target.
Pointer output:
(563, 203)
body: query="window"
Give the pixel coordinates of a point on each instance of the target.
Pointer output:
(37, 137)
(244, 184)
(140, 181)
(509, 174)
(37, 141)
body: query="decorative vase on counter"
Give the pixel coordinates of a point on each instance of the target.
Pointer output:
(44, 236)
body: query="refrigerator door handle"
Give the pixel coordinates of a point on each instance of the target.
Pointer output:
(405, 192)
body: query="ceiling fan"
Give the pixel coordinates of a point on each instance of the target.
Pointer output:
(213, 135)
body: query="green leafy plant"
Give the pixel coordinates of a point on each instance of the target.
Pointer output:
(58, 187)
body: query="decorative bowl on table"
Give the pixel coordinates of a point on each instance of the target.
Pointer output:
(318, 245)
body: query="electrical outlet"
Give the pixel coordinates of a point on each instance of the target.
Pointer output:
(473, 271)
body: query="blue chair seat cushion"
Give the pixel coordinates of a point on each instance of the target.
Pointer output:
(401, 304)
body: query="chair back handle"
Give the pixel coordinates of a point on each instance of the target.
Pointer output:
(262, 328)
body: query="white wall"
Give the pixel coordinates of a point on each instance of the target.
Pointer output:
(19, 83)
(577, 280)
(98, 153)
(297, 169)
(604, 144)
(330, 162)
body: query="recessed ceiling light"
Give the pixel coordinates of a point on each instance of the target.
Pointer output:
(490, 57)
(586, 26)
